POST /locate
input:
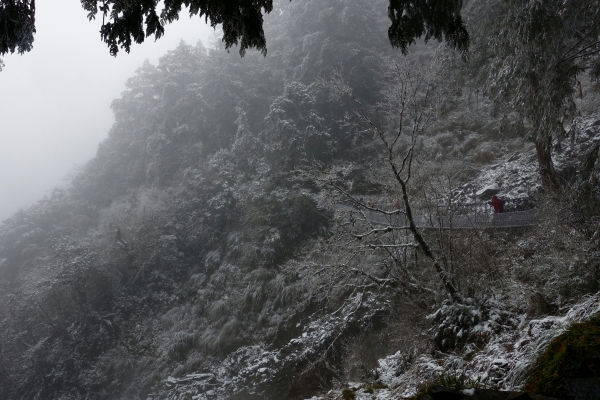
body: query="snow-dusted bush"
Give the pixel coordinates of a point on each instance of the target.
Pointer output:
(473, 323)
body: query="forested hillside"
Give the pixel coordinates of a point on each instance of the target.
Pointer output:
(214, 247)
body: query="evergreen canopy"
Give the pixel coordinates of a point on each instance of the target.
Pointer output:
(125, 22)
(17, 25)
(438, 19)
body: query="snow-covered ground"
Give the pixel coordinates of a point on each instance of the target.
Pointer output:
(503, 362)
(516, 175)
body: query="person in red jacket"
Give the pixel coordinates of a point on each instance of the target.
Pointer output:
(498, 204)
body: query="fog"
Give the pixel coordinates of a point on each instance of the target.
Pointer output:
(55, 100)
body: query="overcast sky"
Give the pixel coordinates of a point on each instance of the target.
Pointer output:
(55, 100)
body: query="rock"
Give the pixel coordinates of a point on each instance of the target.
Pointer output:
(445, 393)
(538, 306)
(570, 366)
(488, 191)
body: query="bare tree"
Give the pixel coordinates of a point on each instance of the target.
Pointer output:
(378, 242)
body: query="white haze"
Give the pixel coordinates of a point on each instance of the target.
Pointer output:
(55, 100)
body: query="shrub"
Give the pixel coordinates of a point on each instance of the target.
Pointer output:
(454, 378)
(348, 394)
(457, 379)
(485, 154)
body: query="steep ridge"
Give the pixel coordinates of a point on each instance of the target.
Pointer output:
(163, 255)
(183, 261)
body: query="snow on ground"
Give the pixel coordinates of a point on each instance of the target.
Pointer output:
(251, 369)
(517, 176)
(581, 139)
(513, 177)
(503, 362)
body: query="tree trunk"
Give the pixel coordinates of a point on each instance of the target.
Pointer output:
(544, 156)
(452, 290)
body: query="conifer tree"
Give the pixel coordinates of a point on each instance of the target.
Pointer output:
(532, 54)
(125, 23)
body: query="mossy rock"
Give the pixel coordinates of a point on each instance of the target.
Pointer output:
(570, 367)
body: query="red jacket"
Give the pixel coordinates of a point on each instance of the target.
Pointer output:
(498, 204)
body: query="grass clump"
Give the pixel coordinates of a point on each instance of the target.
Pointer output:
(457, 379)
(573, 354)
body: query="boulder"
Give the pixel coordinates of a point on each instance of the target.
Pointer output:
(538, 306)
(488, 191)
(570, 366)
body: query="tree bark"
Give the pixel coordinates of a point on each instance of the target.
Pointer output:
(452, 290)
(544, 156)
(443, 274)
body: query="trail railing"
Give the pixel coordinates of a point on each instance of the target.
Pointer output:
(517, 213)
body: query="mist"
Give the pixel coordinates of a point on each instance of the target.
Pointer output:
(55, 100)
(333, 218)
